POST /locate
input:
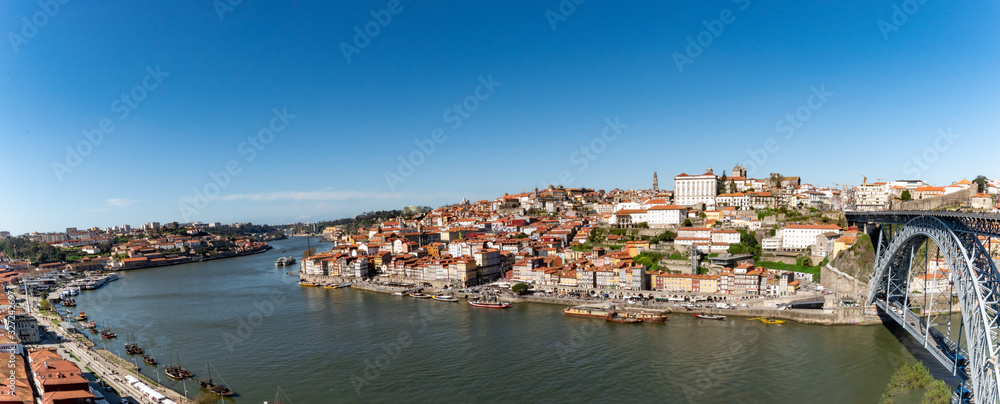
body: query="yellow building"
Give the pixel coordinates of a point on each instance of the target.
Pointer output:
(843, 243)
(704, 283)
(715, 215)
(673, 282)
(635, 247)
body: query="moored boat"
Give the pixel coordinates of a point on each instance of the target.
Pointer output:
(216, 389)
(710, 316)
(81, 317)
(588, 312)
(106, 334)
(69, 302)
(648, 317)
(420, 296)
(771, 320)
(445, 298)
(493, 304)
(622, 318)
(309, 284)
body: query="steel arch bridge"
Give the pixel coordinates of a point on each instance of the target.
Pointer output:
(922, 299)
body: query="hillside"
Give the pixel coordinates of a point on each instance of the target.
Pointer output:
(859, 260)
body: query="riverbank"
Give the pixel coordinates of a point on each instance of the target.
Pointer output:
(107, 366)
(835, 316)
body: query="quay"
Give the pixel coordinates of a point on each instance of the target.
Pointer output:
(107, 366)
(829, 316)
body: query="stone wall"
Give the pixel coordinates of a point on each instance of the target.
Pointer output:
(960, 198)
(843, 284)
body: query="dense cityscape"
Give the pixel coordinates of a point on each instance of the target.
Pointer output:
(477, 202)
(715, 245)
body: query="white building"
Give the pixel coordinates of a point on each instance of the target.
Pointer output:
(691, 190)
(726, 236)
(771, 243)
(665, 215)
(802, 236)
(871, 197)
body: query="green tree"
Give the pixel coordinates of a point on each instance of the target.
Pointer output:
(980, 181)
(519, 288)
(906, 195)
(687, 222)
(720, 187)
(45, 305)
(937, 393)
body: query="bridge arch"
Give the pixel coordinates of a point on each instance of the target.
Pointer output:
(973, 279)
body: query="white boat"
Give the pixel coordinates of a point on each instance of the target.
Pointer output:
(445, 298)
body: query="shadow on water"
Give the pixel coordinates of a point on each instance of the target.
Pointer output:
(919, 352)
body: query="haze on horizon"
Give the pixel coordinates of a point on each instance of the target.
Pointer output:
(303, 112)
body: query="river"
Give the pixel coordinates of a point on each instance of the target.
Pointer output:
(260, 330)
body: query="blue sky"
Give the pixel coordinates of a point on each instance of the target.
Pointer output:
(560, 74)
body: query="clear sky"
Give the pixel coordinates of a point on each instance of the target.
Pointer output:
(312, 118)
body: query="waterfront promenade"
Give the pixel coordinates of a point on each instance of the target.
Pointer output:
(756, 308)
(112, 371)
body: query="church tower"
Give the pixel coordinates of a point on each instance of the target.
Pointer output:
(739, 171)
(656, 183)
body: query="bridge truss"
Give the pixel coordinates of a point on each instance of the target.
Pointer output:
(909, 285)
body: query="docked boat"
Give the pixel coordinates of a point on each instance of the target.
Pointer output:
(492, 304)
(176, 371)
(771, 320)
(81, 317)
(445, 298)
(133, 349)
(622, 318)
(342, 285)
(106, 334)
(647, 317)
(172, 372)
(213, 388)
(588, 312)
(303, 283)
(710, 316)
(69, 302)
(420, 296)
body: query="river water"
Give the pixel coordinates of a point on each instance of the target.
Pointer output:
(260, 330)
